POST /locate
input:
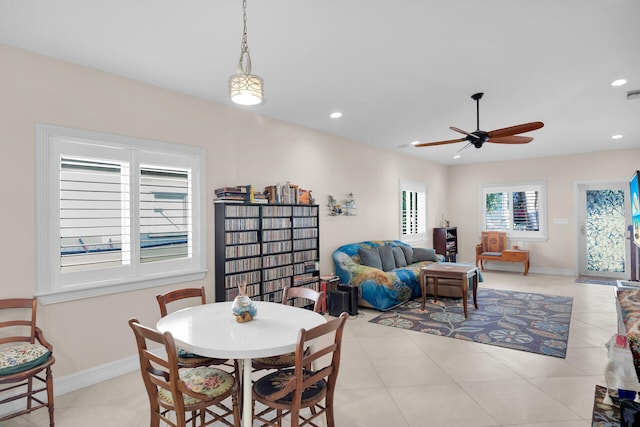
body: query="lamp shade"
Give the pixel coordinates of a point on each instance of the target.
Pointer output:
(245, 89)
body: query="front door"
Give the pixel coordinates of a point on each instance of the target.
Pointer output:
(602, 226)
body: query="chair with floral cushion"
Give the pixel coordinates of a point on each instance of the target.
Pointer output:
(289, 296)
(185, 358)
(180, 396)
(289, 391)
(25, 358)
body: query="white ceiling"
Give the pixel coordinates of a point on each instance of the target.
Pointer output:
(399, 70)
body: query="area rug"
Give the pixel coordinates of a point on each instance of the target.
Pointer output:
(605, 415)
(597, 280)
(518, 320)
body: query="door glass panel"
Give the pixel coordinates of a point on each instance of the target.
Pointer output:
(605, 231)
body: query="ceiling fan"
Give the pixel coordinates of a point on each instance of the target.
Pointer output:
(478, 137)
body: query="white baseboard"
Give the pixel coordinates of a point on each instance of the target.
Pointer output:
(94, 375)
(82, 379)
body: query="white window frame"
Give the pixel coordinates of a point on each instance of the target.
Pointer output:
(541, 187)
(52, 285)
(415, 187)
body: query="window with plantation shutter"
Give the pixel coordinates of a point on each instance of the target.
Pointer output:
(115, 213)
(413, 211)
(518, 210)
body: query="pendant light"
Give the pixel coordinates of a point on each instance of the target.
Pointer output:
(244, 87)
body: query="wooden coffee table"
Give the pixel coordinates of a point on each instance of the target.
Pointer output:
(458, 275)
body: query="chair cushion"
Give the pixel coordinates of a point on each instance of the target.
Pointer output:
(188, 359)
(370, 257)
(205, 380)
(491, 254)
(22, 357)
(275, 381)
(279, 361)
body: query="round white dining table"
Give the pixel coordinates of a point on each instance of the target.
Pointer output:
(212, 330)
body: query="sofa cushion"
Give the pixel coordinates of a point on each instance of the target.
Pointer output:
(398, 256)
(370, 257)
(408, 253)
(386, 257)
(424, 254)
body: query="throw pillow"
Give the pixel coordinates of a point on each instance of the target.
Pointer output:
(424, 254)
(398, 255)
(386, 256)
(370, 257)
(408, 253)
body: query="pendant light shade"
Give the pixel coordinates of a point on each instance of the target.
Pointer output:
(245, 88)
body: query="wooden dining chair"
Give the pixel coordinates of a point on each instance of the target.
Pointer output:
(289, 391)
(289, 296)
(194, 295)
(25, 357)
(301, 296)
(180, 396)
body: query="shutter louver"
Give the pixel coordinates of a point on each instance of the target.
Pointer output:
(413, 213)
(94, 203)
(526, 211)
(497, 212)
(165, 214)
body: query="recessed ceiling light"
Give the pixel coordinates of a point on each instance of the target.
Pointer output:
(616, 137)
(618, 82)
(335, 115)
(457, 156)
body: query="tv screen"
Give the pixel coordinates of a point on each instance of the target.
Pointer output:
(634, 189)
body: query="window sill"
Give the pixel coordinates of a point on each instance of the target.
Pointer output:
(77, 294)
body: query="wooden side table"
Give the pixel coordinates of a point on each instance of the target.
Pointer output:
(517, 255)
(458, 274)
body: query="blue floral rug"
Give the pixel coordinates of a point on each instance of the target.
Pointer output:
(518, 320)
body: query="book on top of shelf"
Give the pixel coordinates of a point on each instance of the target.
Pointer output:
(237, 189)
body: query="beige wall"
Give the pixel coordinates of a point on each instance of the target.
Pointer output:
(241, 148)
(561, 174)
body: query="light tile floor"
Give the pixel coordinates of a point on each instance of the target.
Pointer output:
(392, 377)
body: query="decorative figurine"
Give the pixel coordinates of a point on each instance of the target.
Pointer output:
(334, 207)
(349, 204)
(243, 307)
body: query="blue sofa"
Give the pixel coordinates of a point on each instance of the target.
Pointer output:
(383, 288)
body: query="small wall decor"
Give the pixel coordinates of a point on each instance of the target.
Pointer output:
(345, 209)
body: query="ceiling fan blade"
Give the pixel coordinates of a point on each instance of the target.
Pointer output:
(467, 145)
(430, 144)
(511, 140)
(462, 131)
(514, 130)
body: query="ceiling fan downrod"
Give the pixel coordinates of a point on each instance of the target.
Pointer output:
(477, 97)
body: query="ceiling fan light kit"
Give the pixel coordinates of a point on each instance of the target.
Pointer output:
(477, 138)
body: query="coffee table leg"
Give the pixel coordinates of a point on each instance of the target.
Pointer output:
(423, 288)
(465, 293)
(435, 288)
(475, 289)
